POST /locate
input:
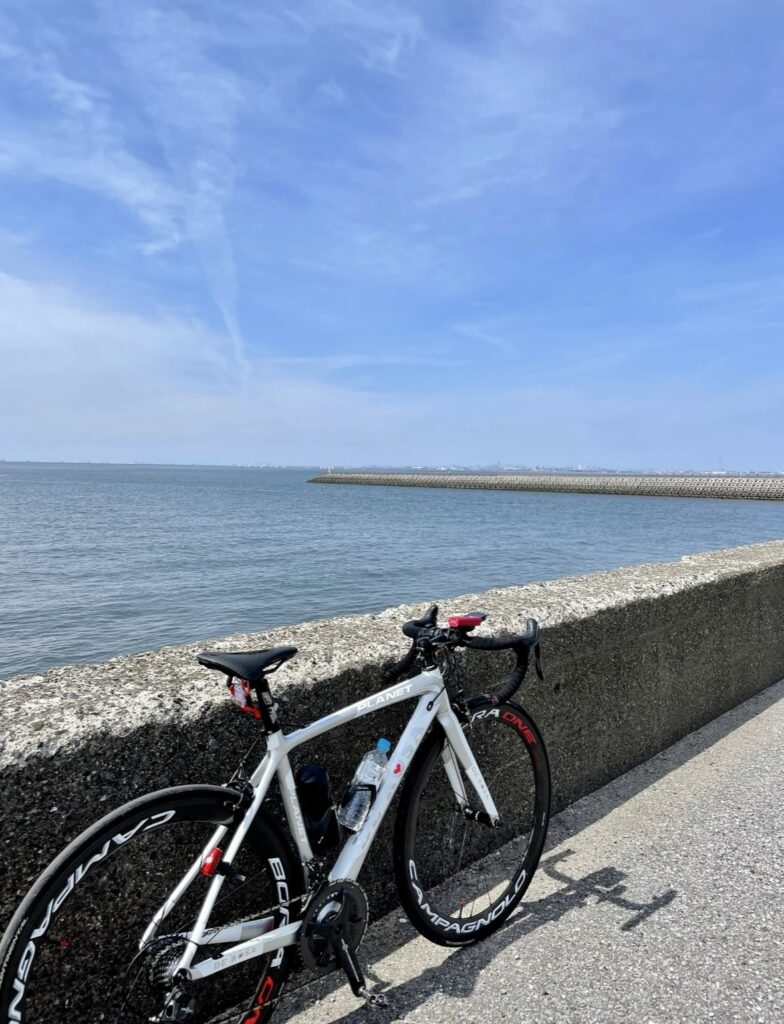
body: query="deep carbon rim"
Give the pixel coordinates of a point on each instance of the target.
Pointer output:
(58, 960)
(460, 879)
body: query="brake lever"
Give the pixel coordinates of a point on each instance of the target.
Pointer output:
(538, 662)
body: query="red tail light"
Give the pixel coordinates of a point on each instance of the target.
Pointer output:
(210, 865)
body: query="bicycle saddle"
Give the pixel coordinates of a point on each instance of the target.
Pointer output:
(250, 665)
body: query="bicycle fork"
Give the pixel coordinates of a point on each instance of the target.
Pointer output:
(457, 753)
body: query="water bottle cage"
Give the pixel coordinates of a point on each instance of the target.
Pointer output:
(357, 787)
(317, 806)
(348, 796)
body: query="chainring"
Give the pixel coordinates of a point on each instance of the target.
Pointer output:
(340, 906)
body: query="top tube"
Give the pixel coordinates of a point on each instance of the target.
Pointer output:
(430, 681)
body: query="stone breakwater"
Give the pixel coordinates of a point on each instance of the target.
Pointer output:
(634, 659)
(767, 488)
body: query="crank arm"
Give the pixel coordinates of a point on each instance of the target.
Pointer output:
(349, 962)
(347, 958)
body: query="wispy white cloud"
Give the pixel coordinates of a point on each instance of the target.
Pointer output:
(380, 33)
(78, 142)
(193, 103)
(332, 92)
(497, 335)
(357, 360)
(537, 116)
(515, 123)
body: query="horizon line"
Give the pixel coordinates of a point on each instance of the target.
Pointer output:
(486, 467)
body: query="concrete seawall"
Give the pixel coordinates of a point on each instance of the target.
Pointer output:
(759, 487)
(634, 658)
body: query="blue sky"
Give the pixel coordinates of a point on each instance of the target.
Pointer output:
(346, 233)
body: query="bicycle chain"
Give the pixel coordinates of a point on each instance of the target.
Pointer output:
(278, 906)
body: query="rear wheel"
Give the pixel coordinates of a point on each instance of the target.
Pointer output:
(72, 952)
(460, 879)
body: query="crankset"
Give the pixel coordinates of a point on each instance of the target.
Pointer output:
(333, 926)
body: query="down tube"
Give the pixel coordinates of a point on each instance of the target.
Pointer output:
(352, 856)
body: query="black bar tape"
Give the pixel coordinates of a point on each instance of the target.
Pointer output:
(506, 643)
(398, 668)
(492, 643)
(512, 685)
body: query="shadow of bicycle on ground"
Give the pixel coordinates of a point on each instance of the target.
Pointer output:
(457, 974)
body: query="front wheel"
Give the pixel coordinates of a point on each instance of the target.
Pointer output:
(73, 952)
(458, 878)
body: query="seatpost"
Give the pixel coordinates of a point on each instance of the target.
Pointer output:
(268, 707)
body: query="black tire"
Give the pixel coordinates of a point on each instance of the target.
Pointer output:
(434, 841)
(66, 955)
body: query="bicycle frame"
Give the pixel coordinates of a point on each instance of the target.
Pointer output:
(259, 937)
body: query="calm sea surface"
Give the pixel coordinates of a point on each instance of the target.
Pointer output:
(100, 560)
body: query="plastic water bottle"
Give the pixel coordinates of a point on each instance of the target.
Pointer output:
(359, 795)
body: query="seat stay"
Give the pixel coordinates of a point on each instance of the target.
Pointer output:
(266, 772)
(176, 894)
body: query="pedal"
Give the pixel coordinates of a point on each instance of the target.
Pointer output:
(356, 979)
(373, 999)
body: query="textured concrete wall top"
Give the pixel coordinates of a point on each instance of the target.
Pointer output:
(759, 487)
(635, 658)
(41, 714)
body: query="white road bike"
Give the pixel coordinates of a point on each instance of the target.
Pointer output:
(193, 904)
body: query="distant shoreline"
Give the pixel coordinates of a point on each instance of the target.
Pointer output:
(748, 487)
(417, 470)
(151, 465)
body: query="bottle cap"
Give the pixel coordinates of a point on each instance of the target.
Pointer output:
(384, 745)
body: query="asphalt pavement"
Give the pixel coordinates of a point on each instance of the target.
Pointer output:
(659, 899)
